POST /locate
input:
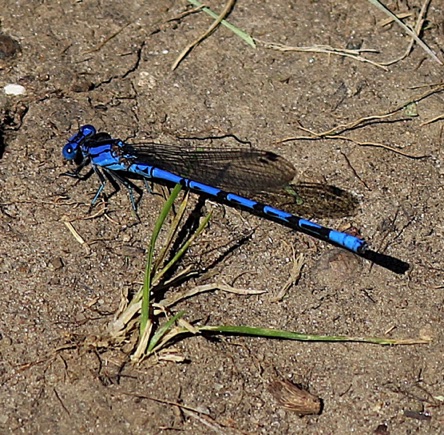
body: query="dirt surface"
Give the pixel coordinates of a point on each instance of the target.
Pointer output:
(110, 65)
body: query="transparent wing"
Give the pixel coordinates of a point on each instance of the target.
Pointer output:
(312, 199)
(236, 169)
(261, 175)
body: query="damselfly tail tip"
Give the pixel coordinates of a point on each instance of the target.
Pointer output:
(363, 248)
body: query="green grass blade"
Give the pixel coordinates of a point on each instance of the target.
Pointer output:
(185, 246)
(243, 35)
(288, 335)
(171, 232)
(146, 290)
(163, 330)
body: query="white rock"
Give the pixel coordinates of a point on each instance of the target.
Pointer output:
(14, 89)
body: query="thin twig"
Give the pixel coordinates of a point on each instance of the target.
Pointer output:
(207, 288)
(418, 27)
(335, 132)
(379, 145)
(295, 275)
(407, 29)
(325, 135)
(430, 121)
(106, 40)
(354, 54)
(210, 30)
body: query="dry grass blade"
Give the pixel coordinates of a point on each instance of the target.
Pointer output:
(335, 132)
(238, 32)
(174, 333)
(210, 30)
(380, 145)
(296, 399)
(332, 135)
(187, 272)
(430, 121)
(77, 236)
(209, 421)
(418, 27)
(74, 232)
(298, 264)
(122, 322)
(178, 17)
(407, 29)
(182, 323)
(390, 20)
(354, 54)
(207, 288)
(142, 344)
(434, 90)
(109, 38)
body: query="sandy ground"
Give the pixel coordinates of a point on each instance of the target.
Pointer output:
(109, 64)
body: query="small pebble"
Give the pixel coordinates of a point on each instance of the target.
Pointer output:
(14, 89)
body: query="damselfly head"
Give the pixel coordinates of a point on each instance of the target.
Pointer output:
(71, 149)
(87, 130)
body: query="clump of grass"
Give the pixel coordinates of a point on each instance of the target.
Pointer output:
(141, 310)
(156, 326)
